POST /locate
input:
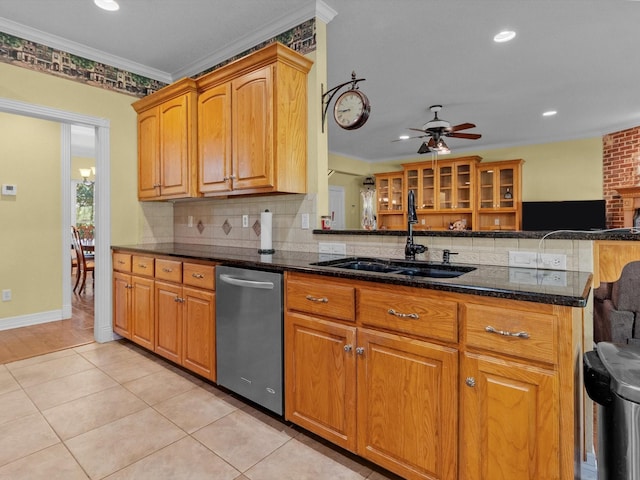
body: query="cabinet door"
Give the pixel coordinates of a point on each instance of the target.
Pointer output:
(199, 329)
(121, 304)
(148, 150)
(509, 421)
(463, 199)
(486, 190)
(320, 378)
(142, 311)
(214, 139)
(168, 322)
(427, 198)
(252, 117)
(407, 405)
(174, 146)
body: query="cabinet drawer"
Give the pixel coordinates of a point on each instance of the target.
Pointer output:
(196, 275)
(169, 270)
(496, 329)
(409, 311)
(122, 262)
(142, 265)
(321, 297)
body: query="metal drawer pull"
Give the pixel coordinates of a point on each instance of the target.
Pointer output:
(179, 300)
(391, 311)
(142, 265)
(316, 299)
(167, 270)
(507, 334)
(197, 275)
(121, 262)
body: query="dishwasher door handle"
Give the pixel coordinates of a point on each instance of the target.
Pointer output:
(239, 282)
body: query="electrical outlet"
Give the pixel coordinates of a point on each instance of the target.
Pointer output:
(324, 247)
(305, 221)
(547, 261)
(6, 295)
(190, 221)
(522, 259)
(245, 221)
(552, 261)
(338, 248)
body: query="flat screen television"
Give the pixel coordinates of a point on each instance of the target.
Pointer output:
(564, 215)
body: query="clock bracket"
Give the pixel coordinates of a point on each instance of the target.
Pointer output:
(329, 94)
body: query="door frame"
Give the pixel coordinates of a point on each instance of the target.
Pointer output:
(102, 330)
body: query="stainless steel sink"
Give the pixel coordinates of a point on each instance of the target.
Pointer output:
(398, 267)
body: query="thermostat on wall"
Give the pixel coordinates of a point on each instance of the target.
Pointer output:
(9, 189)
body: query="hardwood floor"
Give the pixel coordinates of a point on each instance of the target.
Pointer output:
(27, 342)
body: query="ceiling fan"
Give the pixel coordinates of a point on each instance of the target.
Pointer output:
(438, 128)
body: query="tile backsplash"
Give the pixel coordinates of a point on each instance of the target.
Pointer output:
(219, 222)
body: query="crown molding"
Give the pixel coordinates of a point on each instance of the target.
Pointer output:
(59, 43)
(292, 19)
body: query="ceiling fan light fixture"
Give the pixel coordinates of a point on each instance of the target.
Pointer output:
(424, 148)
(504, 36)
(109, 5)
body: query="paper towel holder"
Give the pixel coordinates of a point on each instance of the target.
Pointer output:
(266, 251)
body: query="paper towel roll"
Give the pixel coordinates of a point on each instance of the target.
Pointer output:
(266, 219)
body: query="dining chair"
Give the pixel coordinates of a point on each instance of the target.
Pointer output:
(84, 264)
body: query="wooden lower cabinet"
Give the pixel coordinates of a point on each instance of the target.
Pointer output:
(407, 406)
(185, 327)
(133, 308)
(509, 420)
(385, 397)
(320, 377)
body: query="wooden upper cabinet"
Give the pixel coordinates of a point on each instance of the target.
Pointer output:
(214, 139)
(252, 125)
(500, 195)
(167, 167)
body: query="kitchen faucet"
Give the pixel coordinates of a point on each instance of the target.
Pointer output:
(411, 248)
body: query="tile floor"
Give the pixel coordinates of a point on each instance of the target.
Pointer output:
(115, 411)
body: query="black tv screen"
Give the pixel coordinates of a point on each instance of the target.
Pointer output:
(564, 215)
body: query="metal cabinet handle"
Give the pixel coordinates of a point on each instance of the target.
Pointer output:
(179, 300)
(317, 299)
(142, 265)
(348, 348)
(197, 275)
(167, 270)
(391, 311)
(470, 381)
(156, 185)
(232, 177)
(490, 329)
(121, 262)
(360, 351)
(128, 286)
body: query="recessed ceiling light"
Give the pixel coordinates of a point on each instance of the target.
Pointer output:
(110, 5)
(403, 137)
(549, 113)
(504, 36)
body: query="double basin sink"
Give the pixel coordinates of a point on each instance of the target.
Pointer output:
(411, 268)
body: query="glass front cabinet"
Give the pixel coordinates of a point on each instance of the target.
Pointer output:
(391, 196)
(444, 192)
(499, 195)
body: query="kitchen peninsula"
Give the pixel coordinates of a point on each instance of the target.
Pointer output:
(487, 359)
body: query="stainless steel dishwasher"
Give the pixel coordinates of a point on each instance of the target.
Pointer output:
(249, 334)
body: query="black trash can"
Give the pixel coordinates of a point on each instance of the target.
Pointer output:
(612, 380)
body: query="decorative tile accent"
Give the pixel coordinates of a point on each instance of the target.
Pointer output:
(257, 228)
(226, 226)
(200, 226)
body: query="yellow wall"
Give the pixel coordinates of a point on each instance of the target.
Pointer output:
(47, 90)
(30, 239)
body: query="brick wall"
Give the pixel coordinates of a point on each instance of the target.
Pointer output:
(621, 162)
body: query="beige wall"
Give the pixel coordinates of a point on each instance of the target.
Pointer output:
(43, 210)
(570, 170)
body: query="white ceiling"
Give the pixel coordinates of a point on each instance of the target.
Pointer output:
(579, 57)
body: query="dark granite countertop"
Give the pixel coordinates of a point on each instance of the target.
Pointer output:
(627, 234)
(568, 288)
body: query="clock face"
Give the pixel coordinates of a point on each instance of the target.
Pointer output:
(351, 109)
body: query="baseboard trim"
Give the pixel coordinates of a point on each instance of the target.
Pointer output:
(31, 319)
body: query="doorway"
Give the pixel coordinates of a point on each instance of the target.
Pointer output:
(102, 298)
(336, 207)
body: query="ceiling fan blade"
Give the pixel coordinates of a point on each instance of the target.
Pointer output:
(419, 130)
(405, 139)
(468, 136)
(462, 126)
